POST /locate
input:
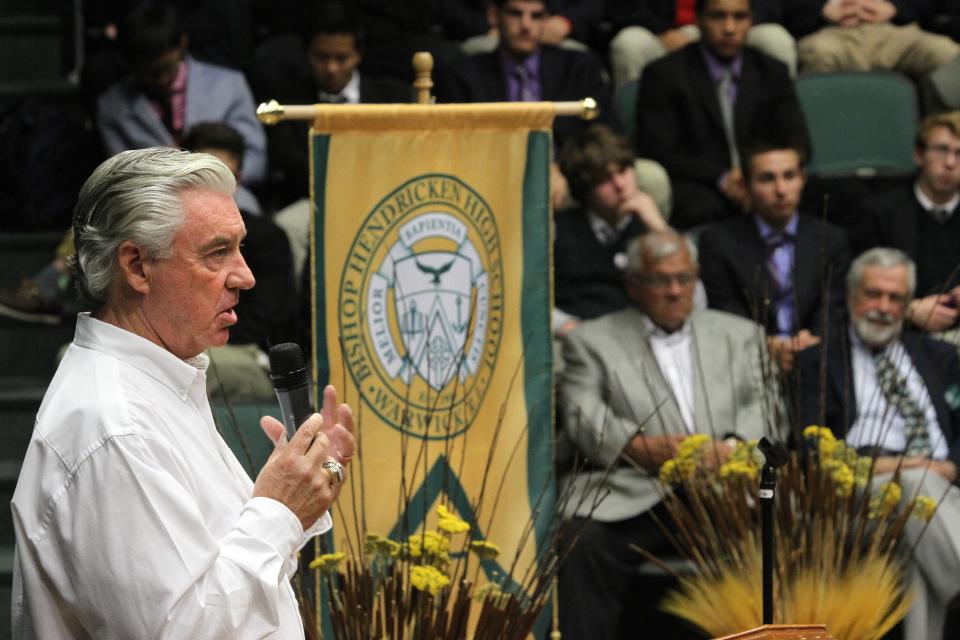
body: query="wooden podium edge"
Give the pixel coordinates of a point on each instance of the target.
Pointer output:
(783, 632)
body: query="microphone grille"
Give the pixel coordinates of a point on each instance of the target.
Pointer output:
(286, 357)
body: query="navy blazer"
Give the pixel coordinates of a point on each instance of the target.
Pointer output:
(832, 381)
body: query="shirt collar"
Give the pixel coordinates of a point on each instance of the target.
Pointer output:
(716, 66)
(350, 92)
(655, 331)
(766, 230)
(949, 207)
(153, 360)
(606, 233)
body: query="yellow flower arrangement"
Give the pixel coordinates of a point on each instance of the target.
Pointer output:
(823, 438)
(449, 522)
(886, 500)
(424, 577)
(327, 561)
(737, 469)
(693, 446)
(924, 507)
(836, 537)
(484, 549)
(421, 565)
(841, 475)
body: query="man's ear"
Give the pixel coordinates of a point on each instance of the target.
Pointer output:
(132, 262)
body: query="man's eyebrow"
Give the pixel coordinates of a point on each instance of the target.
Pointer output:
(219, 241)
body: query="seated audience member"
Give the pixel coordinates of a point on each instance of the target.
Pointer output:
(590, 241)
(266, 313)
(698, 104)
(168, 92)
(570, 24)
(650, 29)
(669, 369)
(923, 221)
(860, 35)
(323, 66)
(895, 394)
(523, 69)
(779, 267)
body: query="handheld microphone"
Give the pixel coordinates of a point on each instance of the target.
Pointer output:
(289, 374)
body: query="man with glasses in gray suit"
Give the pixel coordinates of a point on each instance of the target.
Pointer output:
(635, 384)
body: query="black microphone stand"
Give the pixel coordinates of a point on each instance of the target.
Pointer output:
(775, 455)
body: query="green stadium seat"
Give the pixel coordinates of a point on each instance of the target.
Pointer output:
(861, 123)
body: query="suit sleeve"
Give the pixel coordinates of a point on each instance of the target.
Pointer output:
(718, 277)
(109, 126)
(242, 116)
(838, 262)
(756, 398)
(588, 420)
(946, 364)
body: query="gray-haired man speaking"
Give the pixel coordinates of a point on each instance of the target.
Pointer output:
(133, 518)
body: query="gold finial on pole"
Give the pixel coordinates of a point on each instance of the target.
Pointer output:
(422, 67)
(590, 109)
(270, 112)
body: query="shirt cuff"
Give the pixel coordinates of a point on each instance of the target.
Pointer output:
(271, 521)
(323, 524)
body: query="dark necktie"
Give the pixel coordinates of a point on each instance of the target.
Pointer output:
(897, 394)
(780, 270)
(524, 84)
(939, 214)
(724, 89)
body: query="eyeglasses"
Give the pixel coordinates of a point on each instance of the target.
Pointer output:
(943, 151)
(874, 295)
(663, 281)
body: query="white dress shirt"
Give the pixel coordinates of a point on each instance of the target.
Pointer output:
(945, 210)
(133, 518)
(673, 352)
(350, 94)
(877, 424)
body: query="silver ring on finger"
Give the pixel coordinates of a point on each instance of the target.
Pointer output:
(335, 470)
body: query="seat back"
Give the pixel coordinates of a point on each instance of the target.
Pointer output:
(626, 99)
(861, 123)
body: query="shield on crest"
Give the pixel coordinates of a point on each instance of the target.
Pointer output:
(432, 295)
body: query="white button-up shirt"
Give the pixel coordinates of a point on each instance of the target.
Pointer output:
(133, 518)
(877, 423)
(673, 352)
